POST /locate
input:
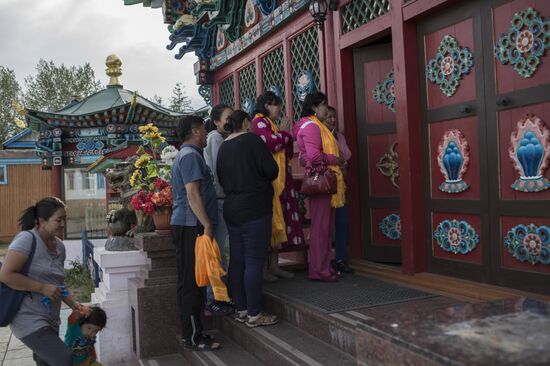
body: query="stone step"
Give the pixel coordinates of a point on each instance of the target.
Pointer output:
(231, 354)
(337, 329)
(284, 344)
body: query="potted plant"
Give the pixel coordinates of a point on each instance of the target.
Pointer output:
(152, 177)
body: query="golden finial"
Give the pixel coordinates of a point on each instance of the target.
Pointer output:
(113, 63)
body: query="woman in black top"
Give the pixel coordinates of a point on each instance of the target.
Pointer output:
(245, 171)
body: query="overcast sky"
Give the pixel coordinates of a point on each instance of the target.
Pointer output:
(77, 31)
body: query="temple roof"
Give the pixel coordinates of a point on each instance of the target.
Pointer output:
(111, 97)
(112, 105)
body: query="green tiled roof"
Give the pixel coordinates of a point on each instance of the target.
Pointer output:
(110, 98)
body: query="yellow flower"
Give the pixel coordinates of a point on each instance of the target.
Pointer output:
(148, 128)
(152, 135)
(142, 161)
(134, 177)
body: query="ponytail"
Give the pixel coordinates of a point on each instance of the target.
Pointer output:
(27, 221)
(44, 209)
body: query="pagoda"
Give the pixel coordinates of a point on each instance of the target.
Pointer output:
(80, 141)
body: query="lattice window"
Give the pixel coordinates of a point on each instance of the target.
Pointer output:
(273, 74)
(247, 88)
(226, 92)
(359, 12)
(305, 59)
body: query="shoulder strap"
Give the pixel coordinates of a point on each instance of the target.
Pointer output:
(27, 265)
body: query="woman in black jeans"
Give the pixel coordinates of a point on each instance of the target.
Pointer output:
(245, 171)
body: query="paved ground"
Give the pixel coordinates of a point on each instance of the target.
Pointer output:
(14, 353)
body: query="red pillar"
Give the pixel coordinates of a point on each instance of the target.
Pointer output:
(344, 101)
(409, 141)
(56, 181)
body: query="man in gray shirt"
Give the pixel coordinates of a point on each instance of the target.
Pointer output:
(194, 212)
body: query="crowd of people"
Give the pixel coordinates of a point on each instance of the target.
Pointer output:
(233, 184)
(238, 176)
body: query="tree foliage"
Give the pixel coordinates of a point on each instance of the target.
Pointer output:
(9, 91)
(179, 101)
(53, 86)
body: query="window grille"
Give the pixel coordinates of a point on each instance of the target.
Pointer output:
(247, 88)
(359, 12)
(305, 58)
(226, 92)
(273, 74)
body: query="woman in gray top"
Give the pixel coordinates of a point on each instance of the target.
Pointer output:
(36, 323)
(218, 115)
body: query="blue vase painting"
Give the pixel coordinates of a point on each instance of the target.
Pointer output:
(530, 154)
(453, 158)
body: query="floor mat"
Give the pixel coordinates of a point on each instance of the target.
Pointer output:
(350, 293)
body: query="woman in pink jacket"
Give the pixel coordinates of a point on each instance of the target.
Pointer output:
(318, 147)
(286, 225)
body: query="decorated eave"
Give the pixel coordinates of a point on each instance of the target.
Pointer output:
(102, 123)
(218, 30)
(113, 105)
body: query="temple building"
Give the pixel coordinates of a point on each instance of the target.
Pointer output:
(443, 103)
(53, 156)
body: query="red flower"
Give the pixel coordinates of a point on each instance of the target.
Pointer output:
(148, 202)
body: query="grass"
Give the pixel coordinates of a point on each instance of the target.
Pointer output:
(78, 280)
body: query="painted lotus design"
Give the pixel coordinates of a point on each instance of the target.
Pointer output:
(525, 43)
(457, 237)
(529, 243)
(384, 92)
(530, 154)
(390, 226)
(451, 62)
(453, 158)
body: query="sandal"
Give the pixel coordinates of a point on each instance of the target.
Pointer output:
(204, 343)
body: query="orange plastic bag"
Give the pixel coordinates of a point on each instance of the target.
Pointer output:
(208, 268)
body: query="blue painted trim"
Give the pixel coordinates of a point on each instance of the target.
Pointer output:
(22, 144)
(14, 139)
(4, 180)
(22, 161)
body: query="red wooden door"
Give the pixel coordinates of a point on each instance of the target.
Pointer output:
(379, 175)
(486, 105)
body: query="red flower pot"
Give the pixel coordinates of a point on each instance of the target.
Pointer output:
(162, 221)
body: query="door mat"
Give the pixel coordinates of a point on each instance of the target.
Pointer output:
(352, 292)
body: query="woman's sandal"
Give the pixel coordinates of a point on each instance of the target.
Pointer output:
(205, 343)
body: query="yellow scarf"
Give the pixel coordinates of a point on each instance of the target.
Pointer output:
(278, 226)
(331, 147)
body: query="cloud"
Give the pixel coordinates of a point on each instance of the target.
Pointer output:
(77, 31)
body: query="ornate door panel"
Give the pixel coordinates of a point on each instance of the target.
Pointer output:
(454, 138)
(486, 104)
(518, 110)
(381, 225)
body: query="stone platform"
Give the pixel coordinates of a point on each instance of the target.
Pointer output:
(439, 330)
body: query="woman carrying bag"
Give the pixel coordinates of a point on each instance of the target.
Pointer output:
(319, 152)
(36, 322)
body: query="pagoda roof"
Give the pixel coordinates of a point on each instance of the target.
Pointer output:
(112, 97)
